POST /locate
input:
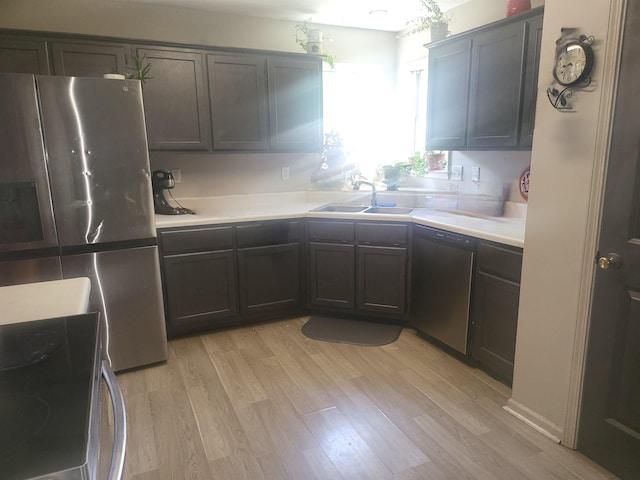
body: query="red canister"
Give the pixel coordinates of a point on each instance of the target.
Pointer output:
(517, 6)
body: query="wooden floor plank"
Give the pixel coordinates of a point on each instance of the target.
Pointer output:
(265, 402)
(345, 448)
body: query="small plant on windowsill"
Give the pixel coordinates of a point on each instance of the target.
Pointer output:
(311, 41)
(432, 19)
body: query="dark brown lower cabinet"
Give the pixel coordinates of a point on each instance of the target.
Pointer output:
(496, 294)
(358, 268)
(332, 276)
(382, 279)
(223, 275)
(201, 290)
(269, 278)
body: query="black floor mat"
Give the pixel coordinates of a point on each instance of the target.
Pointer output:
(355, 332)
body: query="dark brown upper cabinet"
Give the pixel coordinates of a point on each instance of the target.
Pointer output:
(238, 101)
(448, 92)
(534, 44)
(23, 55)
(198, 98)
(482, 86)
(295, 103)
(176, 101)
(89, 59)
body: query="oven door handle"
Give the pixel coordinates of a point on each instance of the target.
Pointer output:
(119, 421)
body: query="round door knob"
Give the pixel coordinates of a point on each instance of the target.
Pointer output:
(611, 260)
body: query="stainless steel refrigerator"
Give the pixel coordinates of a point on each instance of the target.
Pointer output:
(76, 200)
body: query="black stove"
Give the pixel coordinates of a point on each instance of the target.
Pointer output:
(49, 396)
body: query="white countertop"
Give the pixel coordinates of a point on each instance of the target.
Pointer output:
(256, 207)
(40, 300)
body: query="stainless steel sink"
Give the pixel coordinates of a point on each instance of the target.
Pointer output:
(389, 210)
(334, 207)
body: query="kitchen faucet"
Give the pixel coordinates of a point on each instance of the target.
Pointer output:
(374, 199)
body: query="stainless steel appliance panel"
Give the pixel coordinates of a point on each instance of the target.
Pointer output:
(126, 290)
(26, 215)
(29, 270)
(441, 285)
(95, 136)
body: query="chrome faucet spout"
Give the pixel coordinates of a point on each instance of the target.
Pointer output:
(374, 198)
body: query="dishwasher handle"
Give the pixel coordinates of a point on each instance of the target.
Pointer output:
(119, 422)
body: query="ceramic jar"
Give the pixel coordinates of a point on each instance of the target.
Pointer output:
(515, 7)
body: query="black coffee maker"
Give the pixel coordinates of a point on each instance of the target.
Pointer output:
(162, 180)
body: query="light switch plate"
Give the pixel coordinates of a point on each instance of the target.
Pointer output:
(475, 174)
(456, 172)
(285, 173)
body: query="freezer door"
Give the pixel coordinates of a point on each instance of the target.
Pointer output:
(96, 142)
(26, 214)
(30, 270)
(126, 290)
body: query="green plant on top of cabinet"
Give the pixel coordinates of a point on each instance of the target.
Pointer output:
(24, 55)
(84, 58)
(176, 100)
(477, 91)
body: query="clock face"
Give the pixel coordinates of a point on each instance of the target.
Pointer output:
(573, 64)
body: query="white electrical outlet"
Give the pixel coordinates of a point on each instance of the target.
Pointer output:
(475, 174)
(285, 173)
(456, 172)
(177, 174)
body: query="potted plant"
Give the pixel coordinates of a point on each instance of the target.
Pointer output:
(140, 69)
(432, 19)
(312, 41)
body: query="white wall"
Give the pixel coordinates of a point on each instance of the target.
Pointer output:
(566, 173)
(206, 173)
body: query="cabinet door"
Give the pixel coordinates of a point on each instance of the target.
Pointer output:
(88, 59)
(332, 275)
(495, 89)
(269, 278)
(382, 280)
(200, 290)
(238, 99)
(24, 55)
(448, 95)
(494, 323)
(295, 104)
(176, 102)
(532, 66)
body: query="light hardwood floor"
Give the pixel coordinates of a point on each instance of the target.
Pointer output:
(266, 402)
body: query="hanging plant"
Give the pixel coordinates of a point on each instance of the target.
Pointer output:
(311, 40)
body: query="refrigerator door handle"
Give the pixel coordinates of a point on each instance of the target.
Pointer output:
(119, 421)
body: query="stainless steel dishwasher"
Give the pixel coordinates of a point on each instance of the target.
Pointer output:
(442, 269)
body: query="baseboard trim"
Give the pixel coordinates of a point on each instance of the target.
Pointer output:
(534, 420)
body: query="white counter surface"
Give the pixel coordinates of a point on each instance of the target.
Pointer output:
(40, 300)
(256, 207)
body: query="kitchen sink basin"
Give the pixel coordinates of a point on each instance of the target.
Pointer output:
(389, 210)
(334, 207)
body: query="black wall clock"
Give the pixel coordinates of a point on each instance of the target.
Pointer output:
(574, 61)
